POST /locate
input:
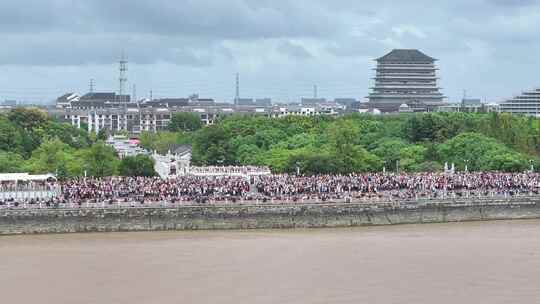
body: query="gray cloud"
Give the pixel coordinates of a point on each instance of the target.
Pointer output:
(515, 3)
(185, 32)
(57, 49)
(294, 50)
(212, 39)
(234, 19)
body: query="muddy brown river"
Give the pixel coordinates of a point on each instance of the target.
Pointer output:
(490, 262)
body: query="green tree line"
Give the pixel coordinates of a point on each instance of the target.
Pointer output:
(32, 142)
(366, 143)
(361, 143)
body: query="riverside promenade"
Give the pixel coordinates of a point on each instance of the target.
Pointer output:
(276, 215)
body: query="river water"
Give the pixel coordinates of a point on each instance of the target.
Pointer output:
(491, 262)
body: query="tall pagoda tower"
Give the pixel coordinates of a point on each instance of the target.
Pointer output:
(405, 77)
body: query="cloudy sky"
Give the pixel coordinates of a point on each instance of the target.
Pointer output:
(281, 48)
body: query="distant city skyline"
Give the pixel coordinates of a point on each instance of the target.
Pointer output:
(280, 48)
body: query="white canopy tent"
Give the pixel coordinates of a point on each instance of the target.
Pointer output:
(24, 177)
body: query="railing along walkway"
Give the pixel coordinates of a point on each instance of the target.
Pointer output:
(230, 202)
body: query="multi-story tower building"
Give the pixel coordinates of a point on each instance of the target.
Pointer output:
(528, 103)
(405, 77)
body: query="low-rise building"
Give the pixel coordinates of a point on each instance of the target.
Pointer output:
(526, 103)
(312, 101)
(9, 103)
(156, 115)
(125, 146)
(470, 105)
(65, 101)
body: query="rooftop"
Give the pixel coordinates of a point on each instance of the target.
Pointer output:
(181, 149)
(109, 96)
(403, 55)
(101, 95)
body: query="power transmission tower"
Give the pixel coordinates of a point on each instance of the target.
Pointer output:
(134, 94)
(463, 101)
(237, 96)
(123, 77)
(122, 97)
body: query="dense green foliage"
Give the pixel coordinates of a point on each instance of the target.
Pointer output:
(140, 165)
(162, 141)
(364, 143)
(23, 130)
(30, 141)
(11, 162)
(185, 121)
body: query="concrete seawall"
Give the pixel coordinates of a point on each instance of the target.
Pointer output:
(259, 216)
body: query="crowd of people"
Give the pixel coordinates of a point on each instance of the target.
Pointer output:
(401, 186)
(281, 188)
(153, 188)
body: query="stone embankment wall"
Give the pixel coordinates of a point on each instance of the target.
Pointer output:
(260, 216)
